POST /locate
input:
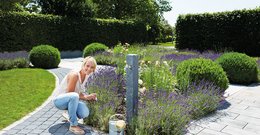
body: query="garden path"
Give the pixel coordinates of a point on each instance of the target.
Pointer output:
(47, 120)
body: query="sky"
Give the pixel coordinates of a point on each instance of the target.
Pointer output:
(203, 6)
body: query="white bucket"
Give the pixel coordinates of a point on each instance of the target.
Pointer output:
(113, 129)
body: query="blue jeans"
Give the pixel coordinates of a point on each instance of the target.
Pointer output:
(76, 108)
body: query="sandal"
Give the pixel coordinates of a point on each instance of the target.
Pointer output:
(65, 115)
(77, 130)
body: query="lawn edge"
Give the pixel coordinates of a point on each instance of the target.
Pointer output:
(36, 110)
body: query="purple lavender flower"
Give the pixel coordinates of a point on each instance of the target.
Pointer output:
(258, 62)
(194, 54)
(162, 109)
(210, 55)
(13, 55)
(179, 57)
(204, 87)
(105, 77)
(202, 98)
(104, 53)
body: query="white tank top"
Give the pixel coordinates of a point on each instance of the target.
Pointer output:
(62, 88)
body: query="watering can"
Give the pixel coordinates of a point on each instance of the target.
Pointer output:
(117, 124)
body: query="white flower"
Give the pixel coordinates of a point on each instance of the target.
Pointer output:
(142, 61)
(140, 82)
(109, 50)
(165, 63)
(157, 63)
(142, 90)
(127, 45)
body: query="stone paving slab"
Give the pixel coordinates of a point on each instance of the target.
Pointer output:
(211, 132)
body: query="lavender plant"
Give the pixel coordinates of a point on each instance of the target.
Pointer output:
(161, 112)
(13, 63)
(179, 57)
(105, 83)
(13, 55)
(172, 66)
(202, 98)
(106, 77)
(105, 58)
(184, 56)
(210, 55)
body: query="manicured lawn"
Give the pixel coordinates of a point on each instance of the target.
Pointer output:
(167, 44)
(21, 91)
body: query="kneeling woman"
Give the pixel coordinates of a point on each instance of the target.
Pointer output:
(71, 94)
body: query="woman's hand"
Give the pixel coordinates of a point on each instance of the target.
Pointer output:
(91, 97)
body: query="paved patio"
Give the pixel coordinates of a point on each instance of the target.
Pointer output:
(239, 115)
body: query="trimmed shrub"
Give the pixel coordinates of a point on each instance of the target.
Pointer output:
(44, 56)
(195, 70)
(239, 67)
(93, 48)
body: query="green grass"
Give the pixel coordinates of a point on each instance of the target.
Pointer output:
(167, 44)
(21, 91)
(257, 58)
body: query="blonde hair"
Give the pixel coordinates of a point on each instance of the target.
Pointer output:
(89, 58)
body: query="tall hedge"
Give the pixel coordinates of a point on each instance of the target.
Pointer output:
(238, 30)
(22, 31)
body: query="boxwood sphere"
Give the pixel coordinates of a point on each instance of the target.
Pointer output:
(92, 48)
(44, 56)
(200, 69)
(239, 67)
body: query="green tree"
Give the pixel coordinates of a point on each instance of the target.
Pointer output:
(11, 5)
(166, 31)
(119, 9)
(71, 8)
(148, 11)
(164, 6)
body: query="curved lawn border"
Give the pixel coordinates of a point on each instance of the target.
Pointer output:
(36, 110)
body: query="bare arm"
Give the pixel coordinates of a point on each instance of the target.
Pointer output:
(72, 81)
